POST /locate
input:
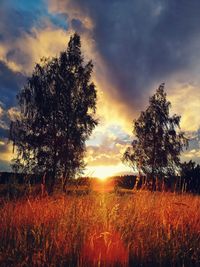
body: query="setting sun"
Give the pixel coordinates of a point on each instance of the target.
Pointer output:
(103, 178)
(103, 172)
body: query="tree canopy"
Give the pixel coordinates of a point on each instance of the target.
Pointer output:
(156, 149)
(57, 115)
(190, 174)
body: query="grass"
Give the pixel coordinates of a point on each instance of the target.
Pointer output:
(101, 229)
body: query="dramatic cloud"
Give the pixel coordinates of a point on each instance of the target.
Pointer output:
(5, 154)
(193, 155)
(5, 150)
(193, 151)
(186, 102)
(108, 152)
(144, 42)
(10, 83)
(135, 45)
(3, 124)
(139, 44)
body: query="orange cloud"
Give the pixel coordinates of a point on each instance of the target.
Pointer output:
(5, 151)
(185, 99)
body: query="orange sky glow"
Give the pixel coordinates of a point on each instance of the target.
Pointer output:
(108, 142)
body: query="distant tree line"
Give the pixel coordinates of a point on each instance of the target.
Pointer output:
(20, 178)
(190, 176)
(188, 181)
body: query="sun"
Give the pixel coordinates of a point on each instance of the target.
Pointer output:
(102, 178)
(103, 172)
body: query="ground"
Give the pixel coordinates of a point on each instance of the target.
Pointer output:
(101, 228)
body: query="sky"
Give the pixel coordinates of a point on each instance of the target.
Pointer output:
(135, 45)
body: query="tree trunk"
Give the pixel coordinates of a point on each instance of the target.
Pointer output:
(153, 183)
(43, 185)
(51, 178)
(64, 184)
(66, 177)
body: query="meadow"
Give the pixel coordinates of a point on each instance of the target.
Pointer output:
(99, 228)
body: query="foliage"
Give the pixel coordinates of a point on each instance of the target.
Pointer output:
(57, 107)
(158, 145)
(190, 174)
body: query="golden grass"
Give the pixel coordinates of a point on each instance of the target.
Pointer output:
(139, 229)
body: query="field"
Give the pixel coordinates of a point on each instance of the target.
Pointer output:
(127, 228)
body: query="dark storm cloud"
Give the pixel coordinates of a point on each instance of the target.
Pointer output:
(77, 25)
(10, 84)
(144, 42)
(18, 17)
(4, 127)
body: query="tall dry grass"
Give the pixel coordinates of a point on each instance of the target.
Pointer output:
(139, 229)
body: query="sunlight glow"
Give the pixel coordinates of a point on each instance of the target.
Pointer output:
(102, 172)
(103, 178)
